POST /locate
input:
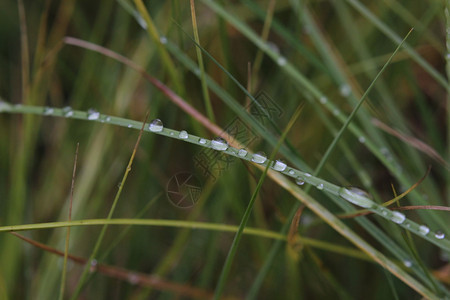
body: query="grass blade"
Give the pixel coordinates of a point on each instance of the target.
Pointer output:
(85, 275)
(206, 99)
(66, 248)
(154, 36)
(232, 252)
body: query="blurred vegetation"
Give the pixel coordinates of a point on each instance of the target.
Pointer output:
(338, 46)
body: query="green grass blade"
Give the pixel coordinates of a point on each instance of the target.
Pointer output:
(356, 108)
(66, 248)
(154, 36)
(269, 260)
(394, 37)
(447, 68)
(206, 98)
(85, 275)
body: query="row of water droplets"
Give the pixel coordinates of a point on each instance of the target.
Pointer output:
(362, 199)
(221, 144)
(68, 112)
(351, 194)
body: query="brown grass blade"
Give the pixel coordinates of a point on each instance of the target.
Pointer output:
(412, 141)
(136, 278)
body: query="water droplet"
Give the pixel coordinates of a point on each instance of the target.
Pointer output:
(385, 212)
(356, 196)
(67, 111)
(108, 119)
(398, 217)
(202, 141)
(4, 106)
(133, 278)
(171, 133)
(156, 125)
(93, 266)
(183, 134)
(259, 157)
(69, 267)
(439, 235)
(407, 263)
(423, 229)
(141, 21)
(48, 111)
(385, 151)
(320, 186)
(448, 56)
(306, 29)
(307, 175)
(323, 100)
(93, 114)
(307, 219)
(281, 61)
(291, 172)
(345, 90)
(242, 152)
(219, 144)
(360, 192)
(163, 40)
(129, 126)
(444, 256)
(299, 181)
(362, 139)
(274, 47)
(336, 112)
(279, 165)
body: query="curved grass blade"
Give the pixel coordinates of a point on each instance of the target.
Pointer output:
(394, 37)
(137, 278)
